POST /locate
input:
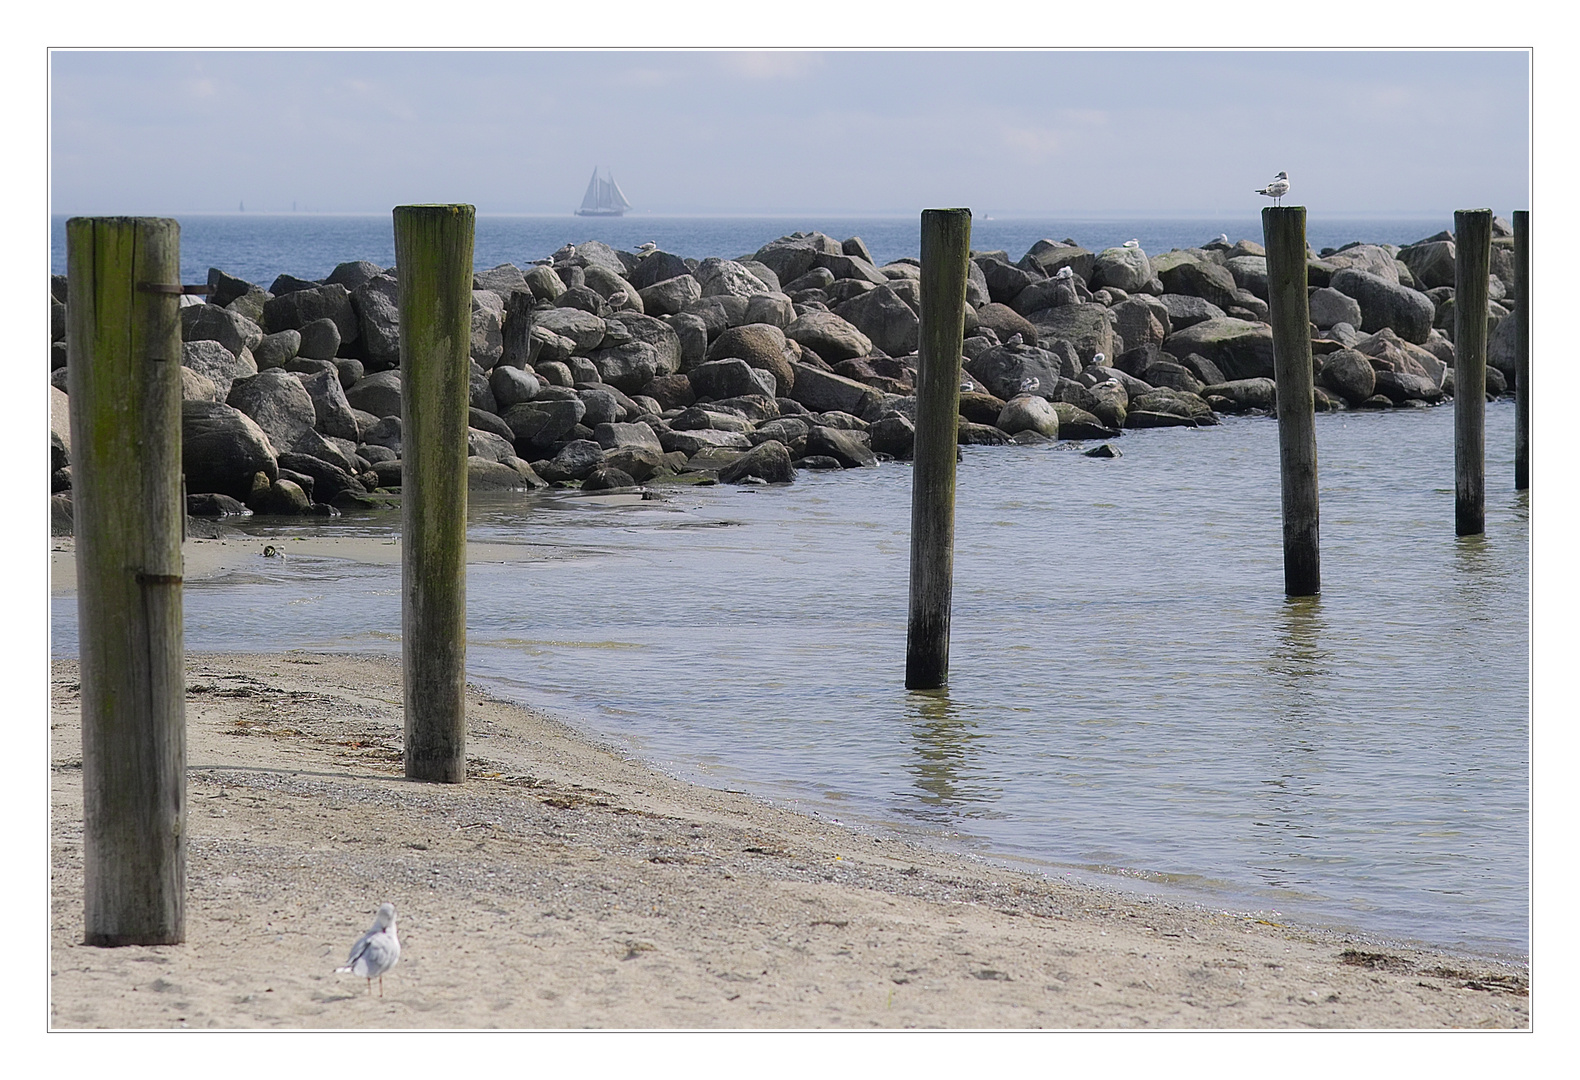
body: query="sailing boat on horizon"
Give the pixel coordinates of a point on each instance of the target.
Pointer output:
(603, 198)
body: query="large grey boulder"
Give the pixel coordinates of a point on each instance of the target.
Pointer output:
(616, 290)
(670, 296)
(317, 340)
(1385, 303)
(280, 405)
(1027, 412)
(488, 324)
(656, 267)
(791, 256)
(852, 449)
(212, 360)
(538, 425)
(1004, 281)
(376, 304)
(614, 436)
(762, 346)
(1186, 311)
(694, 442)
(1329, 307)
(1250, 273)
(1431, 263)
(832, 338)
(544, 283)
(1240, 348)
(1371, 258)
(717, 379)
(378, 393)
(1348, 374)
(1004, 369)
(725, 277)
(1501, 345)
(512, 385)
(1138, 323)
(626, 326)
(823, 391)
(770, 308)
(1401, 386)
(768, 461)
(331, 410)
(205, 322)
(1126, 268)
(1085, 326)
(627, 367)
(574, 461)
(1243, 394)
(584, 329)
(222, 448)
(1006, 322)
(1197, 277)
(886, 320)
(295, 310)
(354, 274)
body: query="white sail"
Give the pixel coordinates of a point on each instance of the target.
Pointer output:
(617, 196)
(590, 200)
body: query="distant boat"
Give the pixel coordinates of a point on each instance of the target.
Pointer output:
(603, 199)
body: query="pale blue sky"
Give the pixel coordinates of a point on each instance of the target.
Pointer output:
(1006, 133)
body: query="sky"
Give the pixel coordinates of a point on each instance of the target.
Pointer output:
(1007, 133)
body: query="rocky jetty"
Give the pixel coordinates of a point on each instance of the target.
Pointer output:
(605, 369)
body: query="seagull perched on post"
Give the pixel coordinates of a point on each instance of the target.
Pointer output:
(1277, 189)
(375, 951)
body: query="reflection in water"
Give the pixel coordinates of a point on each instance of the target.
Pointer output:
(944, 767)
(1285, 826)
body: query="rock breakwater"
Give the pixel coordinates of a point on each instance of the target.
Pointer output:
(605, 369)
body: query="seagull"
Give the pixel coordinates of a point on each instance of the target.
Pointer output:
(1223, 238)
(966, 386)
(1099, 358)
(1064, 274)
(1015, 339)
(375, 951)
(1277, 189)
(1132, 243)
(646, 249)
(1029, 384)
(546, 261)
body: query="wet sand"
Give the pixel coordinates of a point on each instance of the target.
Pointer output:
(567, 886)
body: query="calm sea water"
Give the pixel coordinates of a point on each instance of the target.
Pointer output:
(260, 247)
(1131, 696)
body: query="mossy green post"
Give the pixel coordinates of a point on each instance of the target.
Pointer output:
(946, 257)
(433, 255)
(1522, 350)
(1284, 233)
(1472, 263)
(123, 343)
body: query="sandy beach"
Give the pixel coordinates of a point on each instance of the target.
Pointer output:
(567, 886)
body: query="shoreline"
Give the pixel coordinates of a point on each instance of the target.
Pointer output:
(568, 885)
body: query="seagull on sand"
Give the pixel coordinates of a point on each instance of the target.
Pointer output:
(1277, 189)
(375, 951)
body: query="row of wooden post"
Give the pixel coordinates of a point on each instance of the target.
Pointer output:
(124, 344)
(124, 380)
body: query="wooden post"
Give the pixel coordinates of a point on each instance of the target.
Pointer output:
(1284, 230)
(1472, 262)
(123, 338)
(433, 251)
(946, 257)
(1522, 350)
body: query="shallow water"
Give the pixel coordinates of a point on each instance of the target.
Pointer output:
(1130, 692)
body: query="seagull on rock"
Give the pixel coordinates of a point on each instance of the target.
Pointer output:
(1064, 274)
(646, 249)
(375, 951)
(1029, 384)
(1099, 358)
(1132, 243)
(1277, 189)
(1015, 339)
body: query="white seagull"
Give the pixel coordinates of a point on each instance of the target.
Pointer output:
(1223, 238)
(646, 249)
(1132, 243)
(1277, 189)
(1064, 274)
(1030, 384)
(966, 386)
(1099, 358)
(375, 951)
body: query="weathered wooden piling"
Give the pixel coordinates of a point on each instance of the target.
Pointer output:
(1522, 350)
(433, 253)
(946, 256)
(123, 340)
(1472, 262)
(1284, 231)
